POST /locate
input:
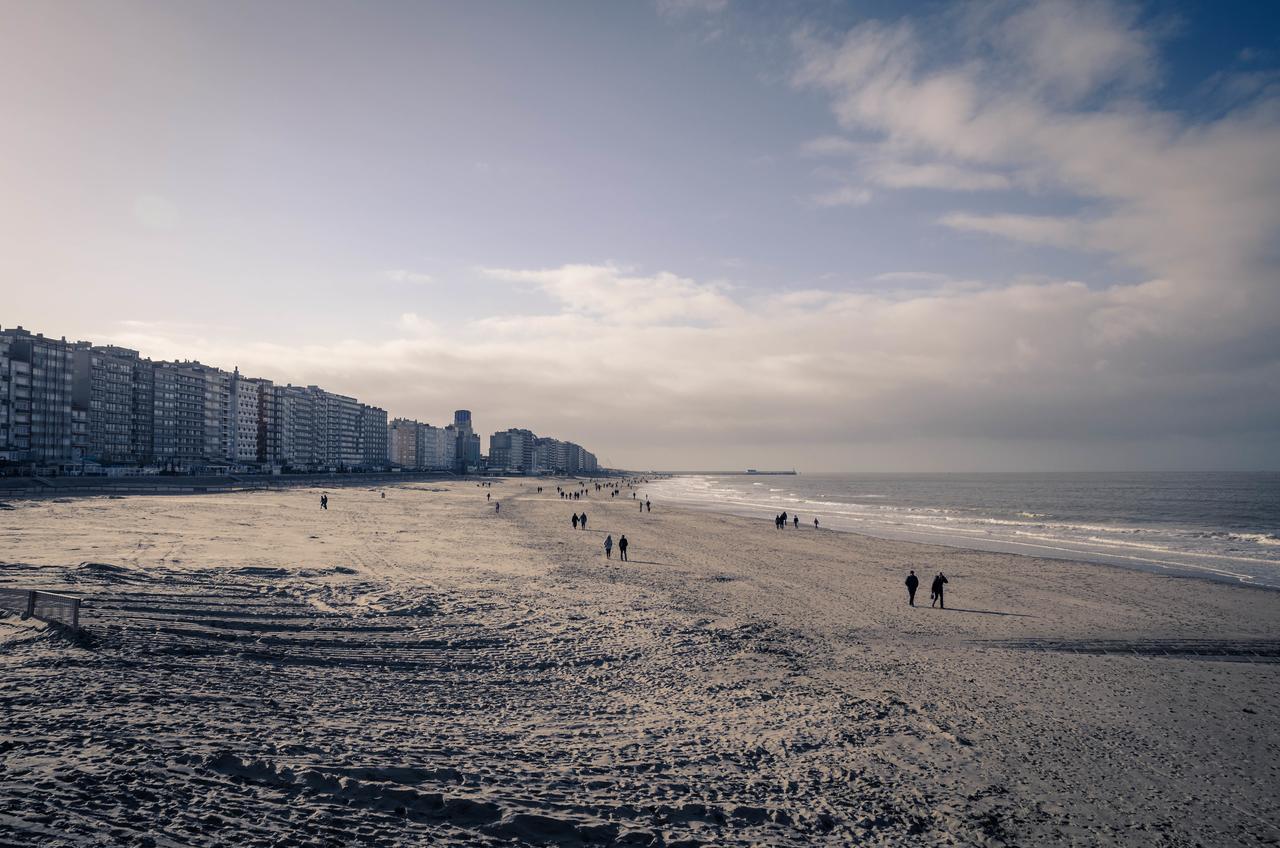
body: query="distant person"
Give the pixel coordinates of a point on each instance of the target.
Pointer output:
(622, 549)
(648, 507)
(608, 547)
(497, 507)
(384, 496)
(488, 496)
(936, 590)
(796, 525)
(324, 501)
(815, 523)
(913, 583)
(784, 519)
(575, 521)
(583, 520)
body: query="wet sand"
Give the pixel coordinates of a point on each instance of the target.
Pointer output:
(418, 670)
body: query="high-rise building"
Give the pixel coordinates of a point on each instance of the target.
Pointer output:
(467, 448)
(373, 437)
(40, 427)
(402, 443)
(268, 428)
(179, 431)
(115, 385)
(512, 450)
(243, 419)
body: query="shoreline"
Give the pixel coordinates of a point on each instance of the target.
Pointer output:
(1044, 549)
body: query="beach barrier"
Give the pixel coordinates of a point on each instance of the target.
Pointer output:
(46, 606)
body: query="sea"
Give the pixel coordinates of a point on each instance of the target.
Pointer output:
(1220, 526)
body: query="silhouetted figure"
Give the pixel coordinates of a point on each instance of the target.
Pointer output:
(608, 546)
(575, 521)
(796, 525)
(583, 520)
(488, 496)
(913, 583)
(784, 519)
(384, 496)
(324, 501)
(936, 590)
(648, 507)
(622, 549)
(815, 524)
(497, 507)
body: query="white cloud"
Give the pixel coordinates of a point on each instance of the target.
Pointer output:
(619, 296)
(845, 195)
(402, 275)
(1033, 229)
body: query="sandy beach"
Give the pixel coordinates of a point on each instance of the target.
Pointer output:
(419, 670)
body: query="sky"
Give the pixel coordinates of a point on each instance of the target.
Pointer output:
(687, 234)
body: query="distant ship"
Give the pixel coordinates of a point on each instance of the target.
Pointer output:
(770, 473)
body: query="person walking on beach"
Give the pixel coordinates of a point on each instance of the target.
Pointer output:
(575, 521)
(796, 519)
(497, 507)
(648, 507)
(622, 549)
(582, 520)
(936, 590)
(324, 501)
(913, 583)
(815, 524)
(488, 495)
(608, 546)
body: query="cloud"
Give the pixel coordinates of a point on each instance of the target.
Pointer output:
(911, 277)
(1070, 49)
(683, 8)
(401, 275)
(1033, 229)
(619, 296)
(937, 175)
(845, 195)
(1191, 203)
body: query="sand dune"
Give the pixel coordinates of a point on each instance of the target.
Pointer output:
(418, 670)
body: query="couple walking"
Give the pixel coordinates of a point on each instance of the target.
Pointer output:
(580, 519)
(935, 591)
(622, 548)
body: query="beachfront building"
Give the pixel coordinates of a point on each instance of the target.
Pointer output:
(467, 447)
(102, 389)
(418, 446)
(438, 448)
(178, 431)
(243, 411)
(268, 457)
(402, 443)
(74, 406)
(373, 437)
(38, 427)
(512, 450)
(296, 425)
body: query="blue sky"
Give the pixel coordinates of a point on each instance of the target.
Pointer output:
(686, 233)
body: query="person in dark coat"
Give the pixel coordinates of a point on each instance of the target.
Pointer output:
(622, 549)
(936, 590)
(913, 583)
(575, 521)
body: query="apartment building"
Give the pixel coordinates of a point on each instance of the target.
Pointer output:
(39, 427)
